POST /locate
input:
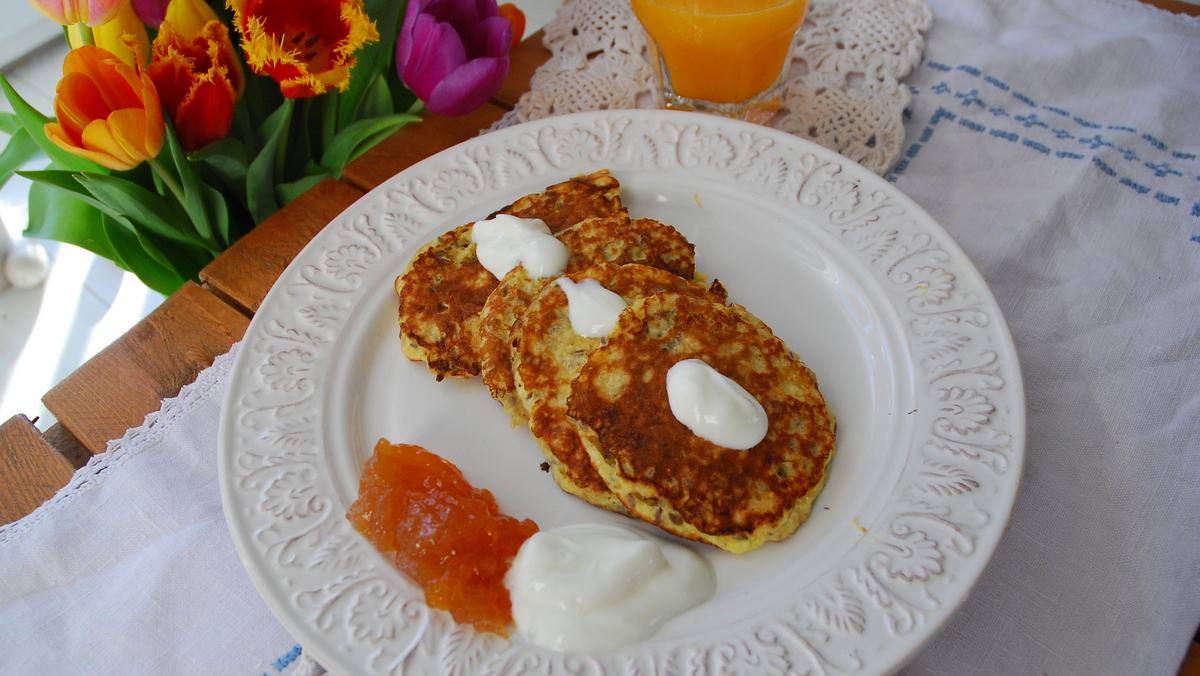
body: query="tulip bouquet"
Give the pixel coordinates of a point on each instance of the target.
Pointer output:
(179, 124)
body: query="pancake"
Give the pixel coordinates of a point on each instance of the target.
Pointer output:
(548, 354)
(668, 476)
(445, 287)
(612, 239)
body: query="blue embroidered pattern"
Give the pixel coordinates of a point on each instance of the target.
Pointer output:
(286, 659)
(1033, 124)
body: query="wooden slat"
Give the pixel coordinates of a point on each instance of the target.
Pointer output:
(245, 272)
(115, 390)
(1175, 6)
(31, 471)
(415, 142)
(1191, 663)
(523, 60)
(67, 445)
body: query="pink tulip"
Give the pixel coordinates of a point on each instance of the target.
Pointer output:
(151, 12)
(453, 54)
(90, 12)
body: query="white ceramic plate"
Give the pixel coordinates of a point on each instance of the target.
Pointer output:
(904, 336)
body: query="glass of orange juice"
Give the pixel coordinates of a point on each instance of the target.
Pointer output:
(721, 56)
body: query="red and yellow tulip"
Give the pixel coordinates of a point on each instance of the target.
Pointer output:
(307, 46)
(90, 12)
(197, 73)
(108, 111)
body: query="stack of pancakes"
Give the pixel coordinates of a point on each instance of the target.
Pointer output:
(598, 406)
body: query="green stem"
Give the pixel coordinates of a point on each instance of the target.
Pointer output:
(168, 180)
(85, 34)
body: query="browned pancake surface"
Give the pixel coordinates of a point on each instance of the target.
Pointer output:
(445, 287)
(613, 239)
(548, 355)
(665, 474)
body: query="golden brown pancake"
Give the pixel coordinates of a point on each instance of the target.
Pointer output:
(665, 474)
(548, 354)
(445, 287)
(613, 239)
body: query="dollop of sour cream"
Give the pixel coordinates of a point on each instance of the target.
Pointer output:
(714, 407)
(504, 242)
(593, 309)
(597, 586)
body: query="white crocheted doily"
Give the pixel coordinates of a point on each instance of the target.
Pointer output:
(842, 90)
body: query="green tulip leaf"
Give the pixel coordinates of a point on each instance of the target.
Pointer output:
(134, 257)
(10, 123)
(373, 59)
(215, 204)
(329, 120)
(264, 173)
(142, 207)
(20, 150)
(194, 201)
(59, 215)
(359, 137)
(35, 123)
(230, 160)
(378, 100)
(286, 192)
(65, 181)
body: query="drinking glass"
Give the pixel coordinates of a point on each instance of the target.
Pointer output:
(721, 56)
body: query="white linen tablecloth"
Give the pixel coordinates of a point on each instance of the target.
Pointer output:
(1059, 142)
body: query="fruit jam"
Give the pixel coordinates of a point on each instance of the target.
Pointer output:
(445, 534)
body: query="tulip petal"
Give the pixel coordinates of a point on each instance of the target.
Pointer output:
(120, 82)
(108, 112)
(437, 52)
(457, 13)
(207, 112)
(515, 17)
(79, 101)
(468, 87)
(91, 12)
(172, 74)
(404, 42)
(189, 17)
(154, 131)
(490, 37)
(151, 12)
(307, 46)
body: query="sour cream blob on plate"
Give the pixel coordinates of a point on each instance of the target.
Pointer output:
(504, 242)
(594, 586)
(714, 407)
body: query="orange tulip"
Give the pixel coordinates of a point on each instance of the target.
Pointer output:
(307, 46)
(196, 72)
(517, 18)
(107, 111)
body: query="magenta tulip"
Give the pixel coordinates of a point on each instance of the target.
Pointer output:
(151, 12)
(453, 54)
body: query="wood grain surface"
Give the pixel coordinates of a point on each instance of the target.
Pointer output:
(244, 274)
(32, 471)
(415, 142)
(118, 387)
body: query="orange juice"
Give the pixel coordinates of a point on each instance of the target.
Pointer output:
(723, 51)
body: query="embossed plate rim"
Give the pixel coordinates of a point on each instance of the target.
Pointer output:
(897, 587)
